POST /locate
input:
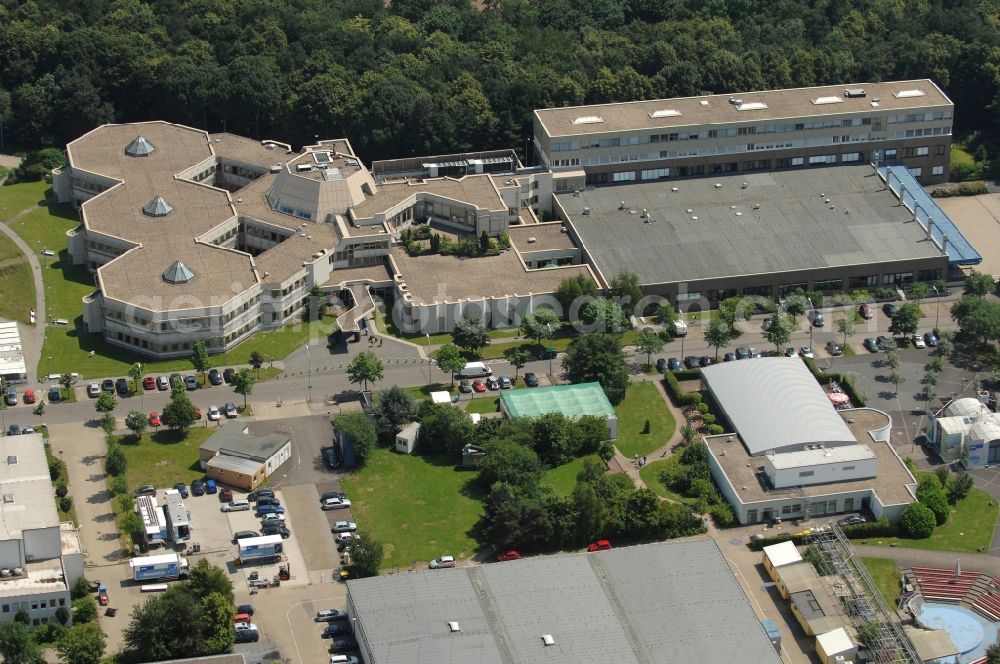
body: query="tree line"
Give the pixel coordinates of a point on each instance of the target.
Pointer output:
(432, 76)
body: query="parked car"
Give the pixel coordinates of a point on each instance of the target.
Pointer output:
(181, 489)
(729, 357)
(674, 364)
(918, 341)
(742, 352)
(442, 562)
(236, 506)
(833, 348)
(337, 628)
(478, 386)
(10, 397)
(791, 352)
(269, 509)
(692, 362)
(14, 430)
(505, 383)
(330, 458)
(599, 545)
(214, 377)
(754, 353)
(154, 419)
(817, 319)
(768, 322)
(162, 383)
(108, 385)
(267, 500)
(27, 430)
(705, 361)
(29, 397)
(890, 309)
(213, 414)
(852, 520)
(148, 383)
(93, 390)
(245, 608)
(465, 386)
(530, 379)
(335, 504)
(246, 633)
(871, 345)
(145, 490)
(508, 555)
(225, 494)
(865, 311)
(881, 342)
(231, 410)
(492, 384)
(343, 659)
(190, 382)
(227, 376)
(344, 527)
(260, 493)
(197, 488)
(211, 486)
(241, 617)
(121, 387)
(244, 534)
(326, 496)
(807, 351)
(55, 395)
(931, 339)
(272, 518)
(661, 365)
(275, 528)
(342, 643)
(326, 615)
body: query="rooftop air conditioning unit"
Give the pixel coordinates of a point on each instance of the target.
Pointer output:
(586, 211)
(621, 206)
(276, 168)
(532, 239)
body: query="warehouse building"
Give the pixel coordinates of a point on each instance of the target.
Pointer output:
(568, 400)
(906, 123)
(790, 454)
(236, 457)
(655, 603)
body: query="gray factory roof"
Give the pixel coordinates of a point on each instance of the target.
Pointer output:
(780, 222)
(774, 402)
(656, 603)
(24, 478)
(236, 438)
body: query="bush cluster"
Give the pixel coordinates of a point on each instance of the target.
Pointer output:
(964, 189)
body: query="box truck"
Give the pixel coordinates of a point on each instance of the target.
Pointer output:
(167, 567)
(267, 548)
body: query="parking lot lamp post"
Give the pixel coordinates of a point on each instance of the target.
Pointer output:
(142, 390)
(549, 329)
(937, 307)
(309, 384)
(811, 326)
(430, 360)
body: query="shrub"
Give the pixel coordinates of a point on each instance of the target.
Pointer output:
(917, 521)
(960, 486)
(931, 494)
(84, 609)
(62, 615)
(703, 408)
(879, 528)
(81, 588)
(62, 490)
(118, 485)
(715, 430)
(65, 503)
(708, 418)
(723, 515)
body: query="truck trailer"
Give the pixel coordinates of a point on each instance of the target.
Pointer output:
(167, 567)
(266, 549)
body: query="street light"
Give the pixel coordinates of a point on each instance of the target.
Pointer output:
(430, 360)
(811, 326)
(142, 390)
(937, 307)
(47, 367)
(310, 379)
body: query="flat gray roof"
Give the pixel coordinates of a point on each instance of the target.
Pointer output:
(774, 402)
(655, 603)
(24, 476)
(792, 229)
(237, 438)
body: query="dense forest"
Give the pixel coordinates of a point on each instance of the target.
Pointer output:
(430, 76)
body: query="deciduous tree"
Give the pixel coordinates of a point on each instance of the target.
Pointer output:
(779, 332)
(517, 356)
(106, 402)
(365, 367)
(366, 555)
(394, 408)
(979, 284)
(598, 357)
(81, 644)
(179, 413)
(358, 426)
(540, 324)
(718, 333)
(450, 360)
(649, 343)
(136, 422)
(471, 334)
(906, 320)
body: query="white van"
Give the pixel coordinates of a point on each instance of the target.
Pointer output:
(475, 370)
(680, 328)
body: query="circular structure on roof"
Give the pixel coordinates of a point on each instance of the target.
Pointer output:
(157, 207)
(140, 147)
(962, 625)
(178, 273)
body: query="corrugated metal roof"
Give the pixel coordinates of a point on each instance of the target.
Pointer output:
(656, 603)
(774, 403)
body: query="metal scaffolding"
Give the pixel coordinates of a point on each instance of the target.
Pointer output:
(875, 623)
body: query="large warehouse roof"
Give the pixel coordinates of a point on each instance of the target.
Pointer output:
(570, 400)
(775, 402)
(656, 603)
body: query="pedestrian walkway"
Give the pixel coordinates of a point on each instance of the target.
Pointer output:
(931, 558)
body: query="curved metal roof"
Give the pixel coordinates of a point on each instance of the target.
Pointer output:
(775, 403)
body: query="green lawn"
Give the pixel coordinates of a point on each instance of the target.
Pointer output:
(650, 474)
(642, 402)
(960, 157)
(885, 574)
(418, 507)
(17, 291)
(487, 403)
(165, 457)
(423, 393)
(16, 198)
(969, 528)
(385, 326)
(562, 479)
(8, 249)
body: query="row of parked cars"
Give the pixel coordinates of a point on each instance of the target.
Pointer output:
(267, 507)
(198, 488)
(31, 396)
(161, 383)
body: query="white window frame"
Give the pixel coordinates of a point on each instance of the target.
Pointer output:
(937, 170)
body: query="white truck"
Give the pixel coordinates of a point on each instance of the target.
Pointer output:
(166, 567)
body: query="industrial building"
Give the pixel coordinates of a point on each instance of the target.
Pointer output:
(790, 454)
(238, 458)
(905, 123)
(966, 430)
(569, 400)
(12, 366)
(766, 234)
(655, 603)
(40, 558)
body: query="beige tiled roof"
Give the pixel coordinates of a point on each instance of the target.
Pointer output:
(249, 151)
(477, 190)
(436, 278)
(781, 104)
(102, 150)
(547, 236)
(286, 258)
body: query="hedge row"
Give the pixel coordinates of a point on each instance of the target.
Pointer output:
(846, 384)
(679, 396)
(964, 189)
(880, 528)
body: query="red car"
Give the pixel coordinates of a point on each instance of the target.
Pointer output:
(149, 383)
(242, 618)
(29, 396)
(510, 555)
(599, 545)
(154, 419)
(478, 386)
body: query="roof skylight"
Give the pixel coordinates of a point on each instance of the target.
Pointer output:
(139, 147)
(905, 94)
(827, 100)
(157, 207)
(752, 106)
(665, 113)
(178, 273)
(588, 119)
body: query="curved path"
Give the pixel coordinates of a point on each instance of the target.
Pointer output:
(31, 336)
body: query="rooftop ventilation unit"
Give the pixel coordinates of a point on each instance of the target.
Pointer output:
(303, 168)
(703, 102)
(11, 460)
(275, 168)
(621, 206)
(588, 119)
(269, 146)
(853, 93)
(718, 185)
(532, 239)
(322, 157)
(548, 640)
(819, 101)
(735, 102)
(665, 113)
(906, 94)
(454, 627)
(586, 211)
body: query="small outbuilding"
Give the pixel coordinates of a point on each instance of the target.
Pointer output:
(836, 644)
(776, 555)
(570, 400)
(406, 440)
(441, 397)
(238, 458)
